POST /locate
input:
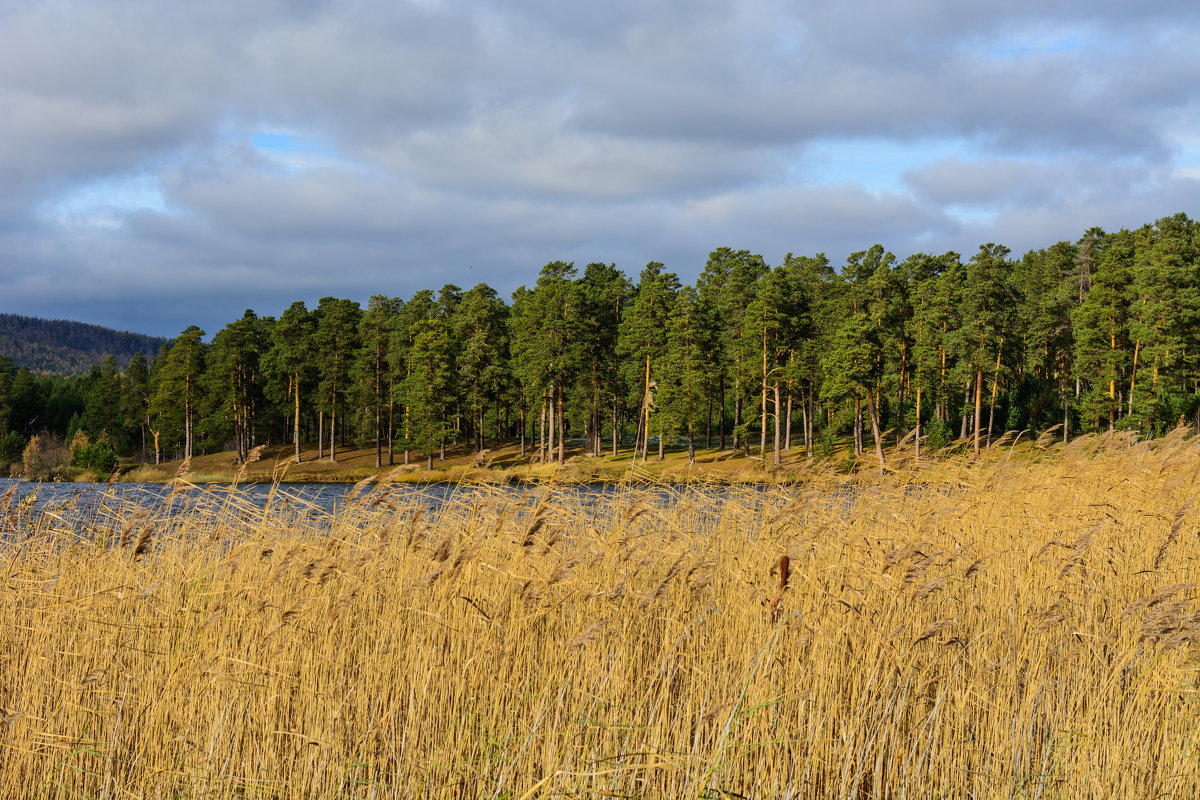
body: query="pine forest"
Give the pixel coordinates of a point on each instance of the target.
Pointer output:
(1094, 335)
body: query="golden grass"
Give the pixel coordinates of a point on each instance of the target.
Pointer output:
(975, 630)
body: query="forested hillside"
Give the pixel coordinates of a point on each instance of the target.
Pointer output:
(1095, 334)
(63, 347)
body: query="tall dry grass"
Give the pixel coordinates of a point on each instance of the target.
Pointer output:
(995, 629)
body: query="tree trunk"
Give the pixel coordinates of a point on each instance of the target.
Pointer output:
(333, 429)
(562, 427)
(1133, 374)
(762, 439)
(391, 426)
(966, 414)
(978, 406)
(787, 425)
(378, 419)
(721, 420)
(550, 427)
(542, 433)
(522, 416)
(810, 422)
(616, 434)
(777, 431)
(995, 388)
(708, 426)
(320, 435)
(1067, 422)
(875, 433)
(805, 422)
(646, 402)
(917, 438)
(187, 422)
(858, 425)
(737, 419)
(296, 411)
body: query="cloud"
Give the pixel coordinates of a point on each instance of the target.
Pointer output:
(443, 140)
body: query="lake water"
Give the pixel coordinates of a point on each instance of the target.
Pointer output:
(93, 507)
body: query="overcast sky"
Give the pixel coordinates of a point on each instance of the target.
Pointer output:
(171, 163)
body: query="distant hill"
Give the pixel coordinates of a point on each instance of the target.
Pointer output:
(64, 347)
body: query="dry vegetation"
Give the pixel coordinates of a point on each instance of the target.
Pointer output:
(971, 630)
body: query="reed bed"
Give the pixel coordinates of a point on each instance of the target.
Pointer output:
(984, 629)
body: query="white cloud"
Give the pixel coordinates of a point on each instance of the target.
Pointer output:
(172, 163)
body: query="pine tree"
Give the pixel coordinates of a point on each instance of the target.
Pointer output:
(739, 273)
(429, 378)
(643, 339)
(820, 302)
(1166, 291)
(604, 294)
(987, 310)
(683, 370)
(554, 349)
(481, 329)
(926, 330)
(1100, 323)
(291, 355)
(135, 400)
(375, 330)
(178, 391)
(234, 379)
(336, 340)
(419, 308)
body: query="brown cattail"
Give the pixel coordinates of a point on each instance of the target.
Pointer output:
(783, 583)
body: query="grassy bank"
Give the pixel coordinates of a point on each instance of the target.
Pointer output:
(507, 464)
(1009, 629)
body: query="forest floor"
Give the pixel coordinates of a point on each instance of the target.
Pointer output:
(506, 464)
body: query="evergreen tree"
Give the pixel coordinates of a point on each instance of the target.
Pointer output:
(135, 401)
(987, 310)
(428, 381)
(927, 326)
(1165, 327)
(481, 329)
(291, 355)
(375, 330)
(419, 308)
(102, 404)
(177, 395)
(681, 394)
(604, 293)
(235, 380)
(1100, 324)
(820, 302)
(336, 340)
(553, 344)
(643, 338)
(737, 274)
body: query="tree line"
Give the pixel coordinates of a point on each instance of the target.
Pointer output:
(65, 347)
(1102, 333)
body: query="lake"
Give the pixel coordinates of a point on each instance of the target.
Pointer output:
(89, 508)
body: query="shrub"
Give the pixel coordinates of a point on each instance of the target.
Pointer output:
(938, 434)
(44, 458)
(11, 447)
(98, 458)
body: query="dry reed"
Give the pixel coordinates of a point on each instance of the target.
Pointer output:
(931, 641)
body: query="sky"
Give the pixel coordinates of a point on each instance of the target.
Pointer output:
(166, 163)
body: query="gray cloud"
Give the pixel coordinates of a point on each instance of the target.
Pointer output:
(444, 140)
